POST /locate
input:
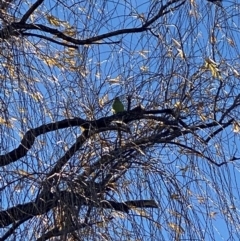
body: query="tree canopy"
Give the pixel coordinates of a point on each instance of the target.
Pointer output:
(164, 168)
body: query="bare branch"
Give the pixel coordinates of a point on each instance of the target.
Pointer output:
(50, 200)
(31, 10)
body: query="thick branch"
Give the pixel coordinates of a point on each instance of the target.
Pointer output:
(24, 26)
(45, 203)
(19, 27)
(162, 12)
(102, 124)
(31, 10)
(28, 210)
(29, 138)
(51, 39)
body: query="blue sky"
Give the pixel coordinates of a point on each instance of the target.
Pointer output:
(147, 67)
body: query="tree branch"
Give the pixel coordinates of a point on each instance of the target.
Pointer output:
(104, 122)
(50, 39)
(31, 10)
(97, 126)
(46, 202)
(18, 27)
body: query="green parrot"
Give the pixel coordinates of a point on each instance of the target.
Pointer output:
(117, 106)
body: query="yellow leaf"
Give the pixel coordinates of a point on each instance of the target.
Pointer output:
(5, 122)
(102, 101)
(37, 96)
(176, 43)
(22, 110)
(231, 42)
(144, 68)
(18, 188)
(53, 20)
(2, 121)
(141, 212)
(69, 61)
(71, 52)
(178, 105)
(52, 62)
(141, 16)
(181, 54)
(70, 32)
(201, 199)
(116, 80)
(232, 207)
(24, 173)
(213, 39)
(175, 214)
(212, 66)
(143, 53)
(175, 196)
(101, 224)
(212, 214)
(177, 228)
(235, 72)
(202, 117)
(117, 214)
(236, 127)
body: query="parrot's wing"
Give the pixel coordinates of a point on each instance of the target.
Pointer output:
(117, 106)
